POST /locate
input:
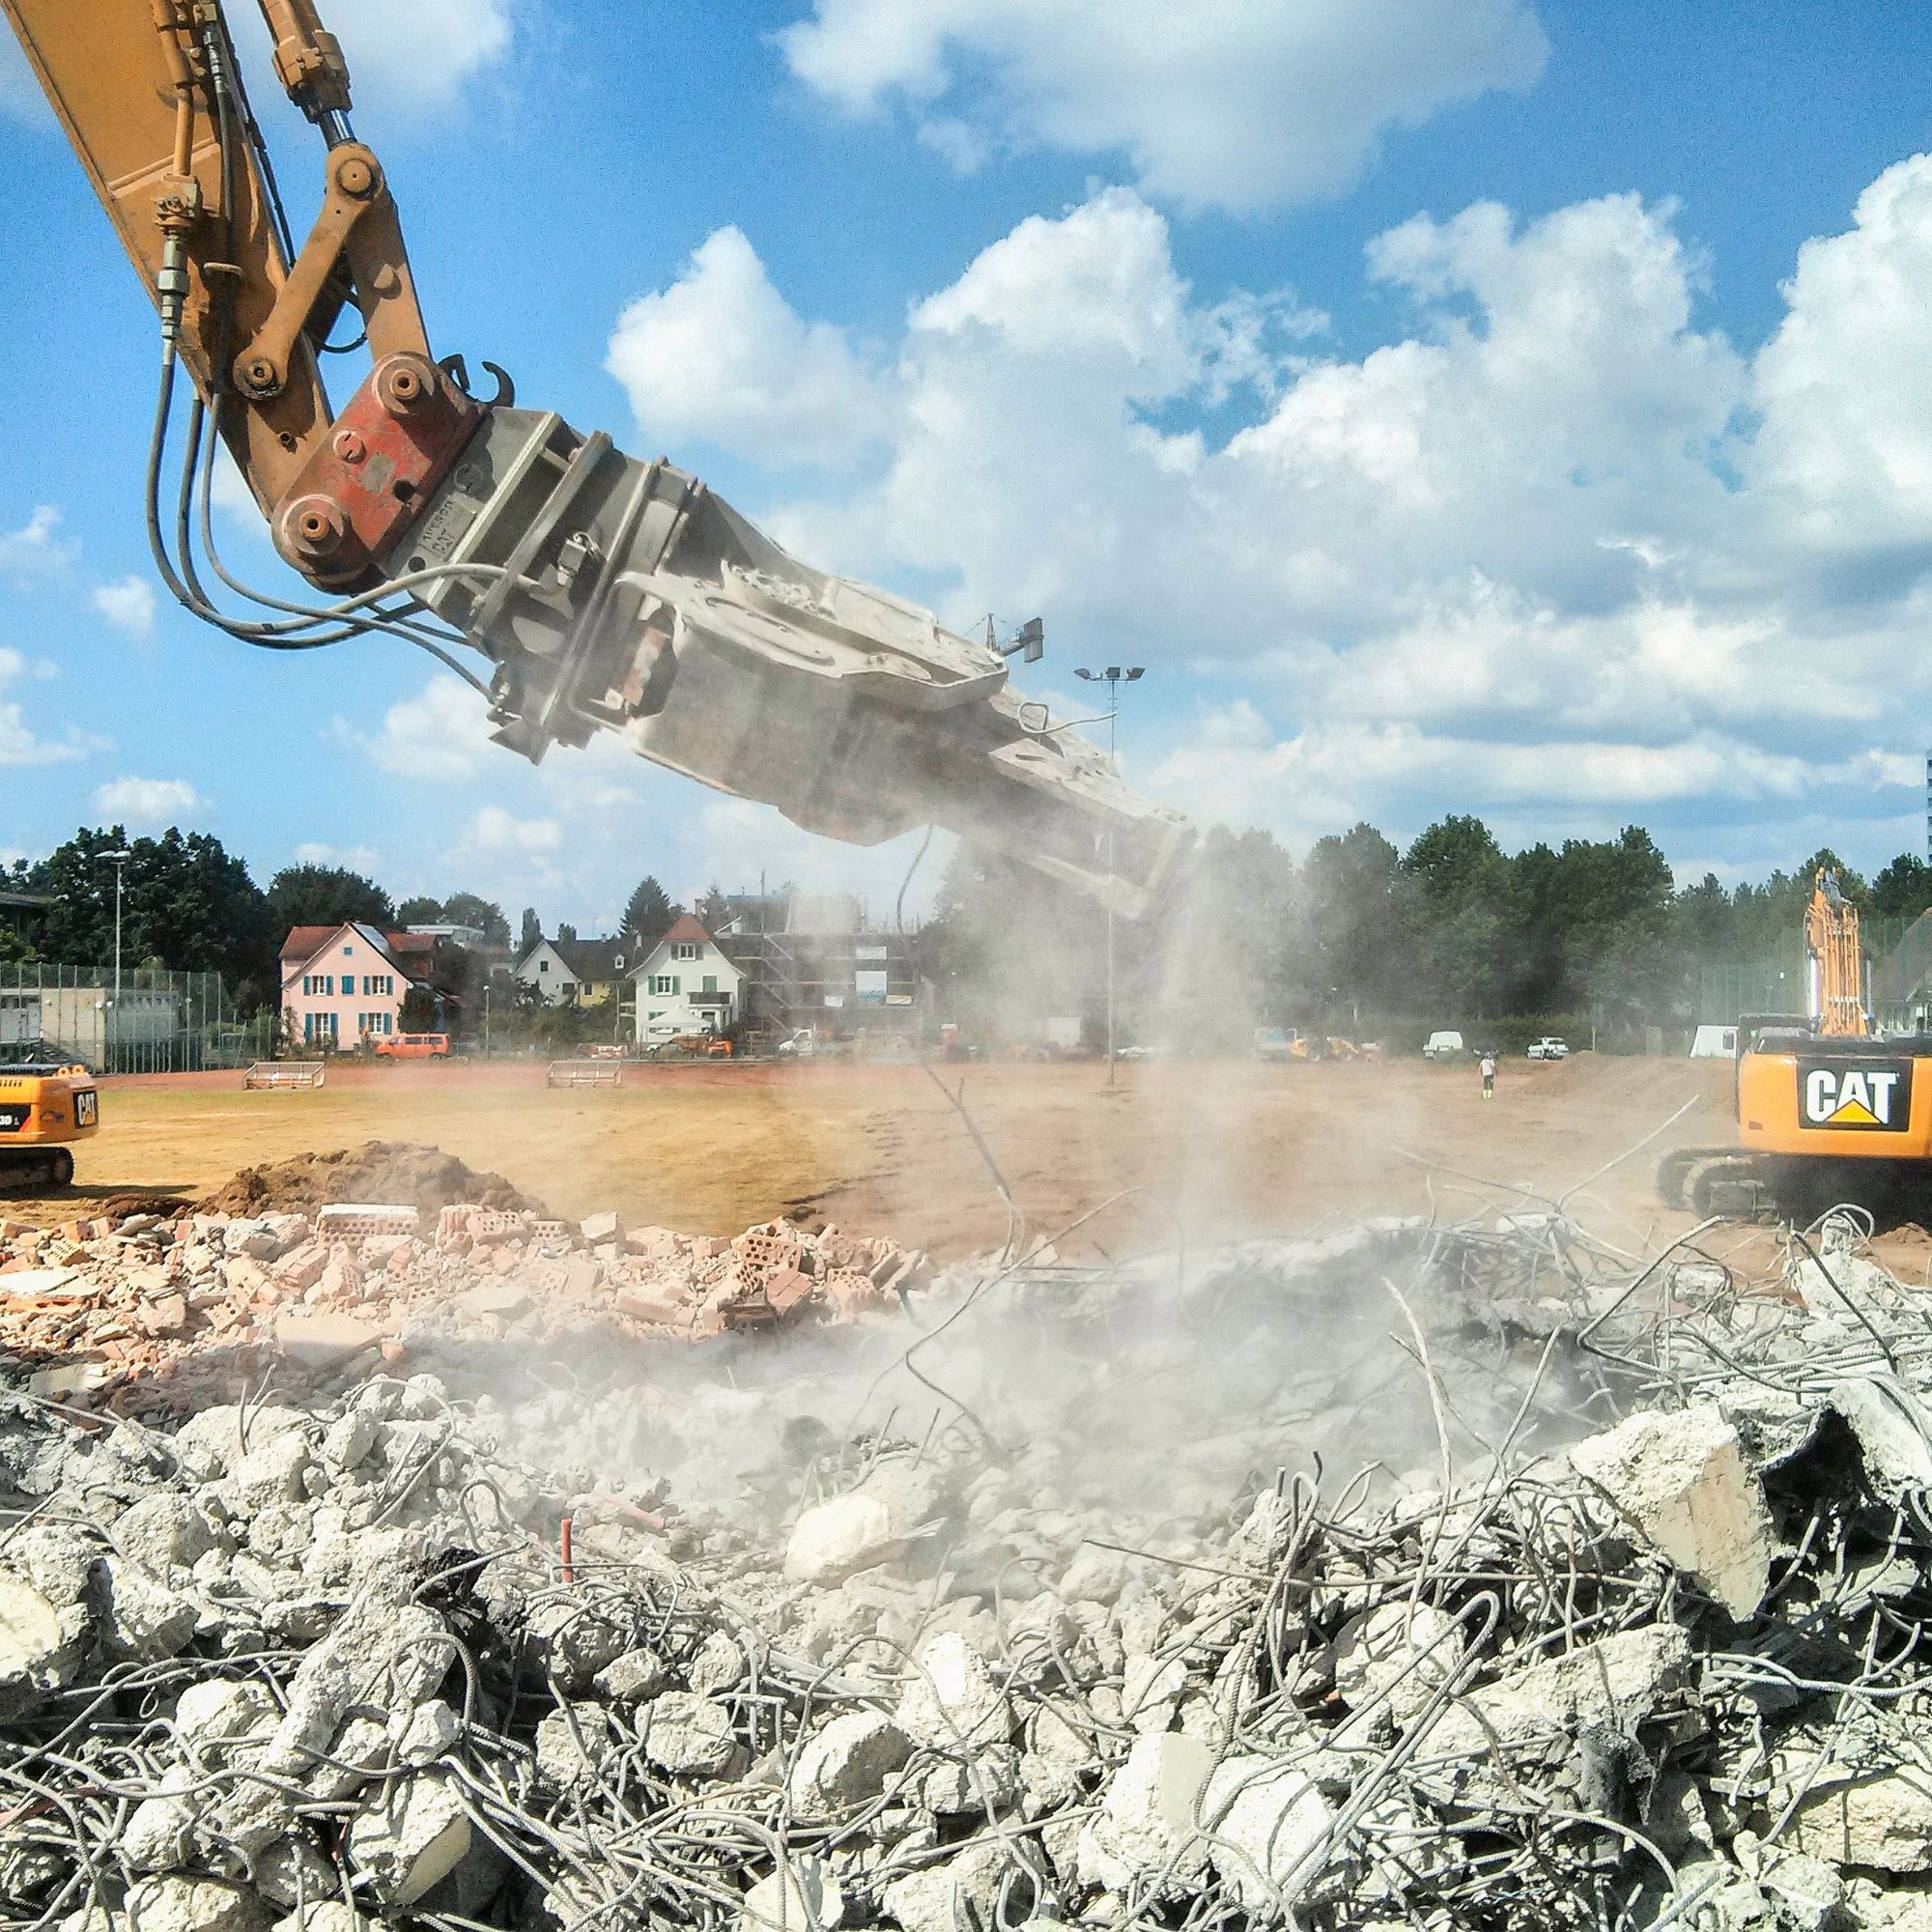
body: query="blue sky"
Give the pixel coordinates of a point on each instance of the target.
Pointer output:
(1459, 405)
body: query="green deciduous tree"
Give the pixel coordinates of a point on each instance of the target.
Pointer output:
(186, 902)
(310, 894)
(486, 916)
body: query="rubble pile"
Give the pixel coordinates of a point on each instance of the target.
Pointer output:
(152, 1314)
(1069, 1604)
(404, 1171)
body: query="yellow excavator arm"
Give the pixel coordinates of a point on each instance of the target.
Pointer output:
(1834, 961)
(599, 592)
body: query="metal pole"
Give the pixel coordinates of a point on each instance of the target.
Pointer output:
(1113, 710)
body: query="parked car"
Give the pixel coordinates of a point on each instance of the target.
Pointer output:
(414, 1046)
(1550, 1047)
(1277, 1043)
(803, 1043)
(1447, 1045)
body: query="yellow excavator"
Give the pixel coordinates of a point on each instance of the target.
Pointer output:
(1828, 1111)
(579, 590)
(45, 1106)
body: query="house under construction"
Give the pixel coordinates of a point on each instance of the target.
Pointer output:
(810, 959)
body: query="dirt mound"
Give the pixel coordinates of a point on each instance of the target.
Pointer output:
(395, 1173)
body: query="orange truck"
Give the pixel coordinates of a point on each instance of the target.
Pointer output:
(414, 1046)
(45, 1107)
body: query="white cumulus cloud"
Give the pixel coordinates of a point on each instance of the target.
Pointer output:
(127, 603)
(720, 355)
(494, 831)
(1217, 103)
(1555, 549)
(19, 743)
(441, 733)
(36, 549)
(148, 804)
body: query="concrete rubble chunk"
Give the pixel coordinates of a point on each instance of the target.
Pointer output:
(961, 1894)
(57, 1558)
(1401, 1652)
(142, 1617)
(426, 1733)
(836, 1539)
(573, 1743)
(635, 1674)
(1682, 1481)
(160, 1832)
(33, 1636)
(1892, 1441)
(846, 1762)
(798, 1896)
(1268, 1829)
(1148, 1820)
(717, 1666)
(292, 1869)
(686, 1734)
(950, 1699)
(595, 1228)
(1881, 1820)
(222, 1711)
(174, 1903)
(328, 1915)
(409, 1835)
(1618, 1682)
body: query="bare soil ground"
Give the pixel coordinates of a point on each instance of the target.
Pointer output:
(1222, 1146)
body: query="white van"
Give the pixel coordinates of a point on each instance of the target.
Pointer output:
(1715, 1042)
(1446, 1045)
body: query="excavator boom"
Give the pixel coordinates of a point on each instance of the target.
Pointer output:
(600, 592)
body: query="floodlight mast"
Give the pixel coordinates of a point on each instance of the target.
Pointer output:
(1113, 677)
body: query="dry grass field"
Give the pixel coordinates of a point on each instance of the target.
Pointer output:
(1219, 1146)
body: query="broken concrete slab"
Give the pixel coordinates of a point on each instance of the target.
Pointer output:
(412, 1833)
(325, 1341)
(1887, 1421)
(1617, 1681)
(846, 1763)
(1681, 1480)
(1148, 1820)
(1268, 1828)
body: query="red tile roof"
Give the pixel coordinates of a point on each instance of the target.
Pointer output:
(304, 942)
(688, 928)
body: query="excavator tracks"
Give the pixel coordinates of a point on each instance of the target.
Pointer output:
(1716, 1180)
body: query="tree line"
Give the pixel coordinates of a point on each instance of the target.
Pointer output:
(1365, 938)
(1357, 935)
(189, 905)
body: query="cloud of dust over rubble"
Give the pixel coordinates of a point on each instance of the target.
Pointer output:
(1146, 1396)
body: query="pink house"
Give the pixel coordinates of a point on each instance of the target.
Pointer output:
(342, 987)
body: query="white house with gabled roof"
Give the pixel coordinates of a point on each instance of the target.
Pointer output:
(685, 986)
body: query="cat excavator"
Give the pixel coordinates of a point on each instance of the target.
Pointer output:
(579, 590)
(1828, 1111)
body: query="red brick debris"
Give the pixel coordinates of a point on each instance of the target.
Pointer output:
(147, 1314)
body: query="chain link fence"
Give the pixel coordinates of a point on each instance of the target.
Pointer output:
(157, 1022)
